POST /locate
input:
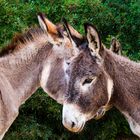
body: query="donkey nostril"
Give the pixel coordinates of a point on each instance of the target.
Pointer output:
(68, 63)
(73, 124)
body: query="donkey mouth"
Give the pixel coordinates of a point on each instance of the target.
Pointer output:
(81, 128)
(76, 129)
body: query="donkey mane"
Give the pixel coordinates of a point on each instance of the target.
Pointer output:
(21, 38)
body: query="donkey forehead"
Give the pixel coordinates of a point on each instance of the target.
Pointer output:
(85, 63)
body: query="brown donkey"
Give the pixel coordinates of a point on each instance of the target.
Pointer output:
(36, 58)
(99, 79)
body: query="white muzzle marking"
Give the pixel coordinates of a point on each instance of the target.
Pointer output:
(73, 120)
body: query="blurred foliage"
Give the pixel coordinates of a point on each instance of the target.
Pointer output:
(40, 116)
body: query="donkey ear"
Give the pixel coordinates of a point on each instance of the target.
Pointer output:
(46, 24)
(115, 46)
(93, 38)
(76, 38)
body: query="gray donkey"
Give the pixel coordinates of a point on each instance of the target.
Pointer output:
(98, 80)
(37, 58)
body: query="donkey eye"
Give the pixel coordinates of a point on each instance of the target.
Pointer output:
(89, 80)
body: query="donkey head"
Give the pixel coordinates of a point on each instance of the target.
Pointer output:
(90, 87)
(53, 77)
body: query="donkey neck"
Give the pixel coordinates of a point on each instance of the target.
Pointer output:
(126, 78)
(20, 70)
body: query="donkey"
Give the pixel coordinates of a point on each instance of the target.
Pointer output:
(37, 58)
(98, 80)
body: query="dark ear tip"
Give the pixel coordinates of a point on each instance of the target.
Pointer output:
(39, 14)
(65, 24)
(42, 15)
(87, 25)
(63, 20)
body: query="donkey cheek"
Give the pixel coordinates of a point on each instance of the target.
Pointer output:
(85, 104)
(102, 90)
